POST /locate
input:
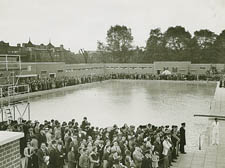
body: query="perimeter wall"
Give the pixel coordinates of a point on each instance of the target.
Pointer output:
(57, 69)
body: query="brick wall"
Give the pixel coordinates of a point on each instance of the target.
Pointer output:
(10, 155)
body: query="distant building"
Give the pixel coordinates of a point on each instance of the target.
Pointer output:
(36, 53)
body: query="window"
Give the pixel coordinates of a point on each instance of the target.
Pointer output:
(174, 69)
(43, 72)
(29, 68)
(60, 70)
(202, 68)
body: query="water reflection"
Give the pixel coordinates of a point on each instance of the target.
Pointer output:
(131, 102)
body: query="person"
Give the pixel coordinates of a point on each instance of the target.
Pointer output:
(48, 134)
(166, 147)
(158, 147)
(84, 159)
(129, 163)
(34, 159)
(116, 160)
(94, 158)
(43, 158)
(84, 123)
(52, 155)
(41, 138)
(28, 151)
(155, 160)
(71, 158)
(34, 142)
(138, 157)
(60, 155)
(215, 132)
(106, 153)
(182, 138)
(221, 83)
(147, 161)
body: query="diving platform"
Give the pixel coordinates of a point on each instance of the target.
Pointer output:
(210, 156)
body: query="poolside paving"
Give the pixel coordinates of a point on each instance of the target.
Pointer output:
(211, 156)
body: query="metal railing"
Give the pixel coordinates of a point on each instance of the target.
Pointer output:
(18, 89)
(10, 90)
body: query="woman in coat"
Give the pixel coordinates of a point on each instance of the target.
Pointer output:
(71, 158)
(28, 152)
(94, 158)
(84, 159)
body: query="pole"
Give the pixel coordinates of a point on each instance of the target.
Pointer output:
(14, 113)
(6, 61)
(28, 110)
(20, 63)
(2, 114)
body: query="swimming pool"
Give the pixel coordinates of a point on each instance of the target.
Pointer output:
(136, 102)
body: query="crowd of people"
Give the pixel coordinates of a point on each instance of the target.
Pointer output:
(40, 84)
(53, 144)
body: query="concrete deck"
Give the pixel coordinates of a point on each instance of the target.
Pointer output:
(211, 156)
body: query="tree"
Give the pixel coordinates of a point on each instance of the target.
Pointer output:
(102, 50)
(205, 44)
(154, 46)
(205, 38)
(220, 47)
(118, 43)
(176, 42)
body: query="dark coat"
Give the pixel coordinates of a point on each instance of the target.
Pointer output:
(59, 158)
(41, 155)
(159, 148)
(41, 139)
(146, 163)
(182, 136)
(34, 161)
(53, 158)
(71, 160)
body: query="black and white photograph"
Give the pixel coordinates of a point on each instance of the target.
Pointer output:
(112, 83)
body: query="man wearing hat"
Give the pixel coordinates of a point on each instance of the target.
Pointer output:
(182, 138)
(84, 123)
(53, 155)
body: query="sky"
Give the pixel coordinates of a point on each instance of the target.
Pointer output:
(81, 23)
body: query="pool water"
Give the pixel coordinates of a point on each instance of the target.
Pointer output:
(135, 102)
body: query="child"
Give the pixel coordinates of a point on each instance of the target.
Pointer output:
(155, 159)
